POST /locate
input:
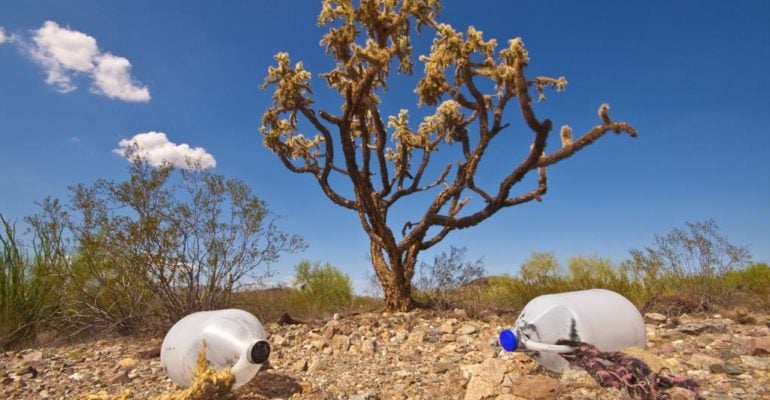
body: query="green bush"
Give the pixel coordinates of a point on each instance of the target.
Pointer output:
(320, 288)
(754, 281)
(26, 294)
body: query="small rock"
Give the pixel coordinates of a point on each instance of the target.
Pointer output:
(702, 361)
(77, 376)
(119, 377)
(315, 364)
(466, 329)
(369, 346)
(727, 353)
(448, 337)
(319, 344)
(147, 354)
(760, 363)
(300, 365)
(340, 342)
(329, 330)
(278, 340)
(655, 318)
(717, 368)
(133, 374)
(440, 368)
(732, 369)
(447, 326)
(417, 336)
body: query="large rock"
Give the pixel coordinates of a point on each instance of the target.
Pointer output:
(479, 388)
(536, 387)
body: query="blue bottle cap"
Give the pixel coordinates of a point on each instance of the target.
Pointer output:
(508, 340)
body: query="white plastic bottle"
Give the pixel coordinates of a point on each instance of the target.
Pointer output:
(599, 317)
(234, 338)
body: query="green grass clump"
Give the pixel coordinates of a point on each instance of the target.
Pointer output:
(26, 301)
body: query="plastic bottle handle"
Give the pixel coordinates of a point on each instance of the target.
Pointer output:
(551, 348)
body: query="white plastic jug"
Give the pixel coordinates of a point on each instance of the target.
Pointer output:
(599, 317)
(234, 338)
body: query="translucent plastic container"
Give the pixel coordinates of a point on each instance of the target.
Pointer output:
(599, 317)
(234, 338)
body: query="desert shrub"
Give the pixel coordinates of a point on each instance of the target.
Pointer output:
(504, 292)
(320, 288)
(541, 268)
(753, 282)
(143, 252)
(693, 262)
(439, 281)
(27, 294)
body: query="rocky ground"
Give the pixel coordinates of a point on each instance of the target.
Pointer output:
(416, 355)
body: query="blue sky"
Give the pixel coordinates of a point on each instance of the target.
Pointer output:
(691, 76)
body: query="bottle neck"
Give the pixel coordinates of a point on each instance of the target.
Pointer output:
(259, 352)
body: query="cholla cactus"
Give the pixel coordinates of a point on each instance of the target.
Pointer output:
(384, 158)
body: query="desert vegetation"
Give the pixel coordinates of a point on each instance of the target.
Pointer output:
(135, 255)
(88, 266)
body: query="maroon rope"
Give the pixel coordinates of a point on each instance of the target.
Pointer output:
(618, 370)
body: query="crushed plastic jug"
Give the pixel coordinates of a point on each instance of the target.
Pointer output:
(598, 317)
(234, 338)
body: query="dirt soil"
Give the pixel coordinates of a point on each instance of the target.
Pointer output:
(416, 355)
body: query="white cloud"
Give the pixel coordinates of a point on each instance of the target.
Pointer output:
(112, 79)
(2, 35)
(155, 148)
(64, 53)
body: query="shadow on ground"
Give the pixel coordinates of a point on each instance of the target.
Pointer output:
(269, 385)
